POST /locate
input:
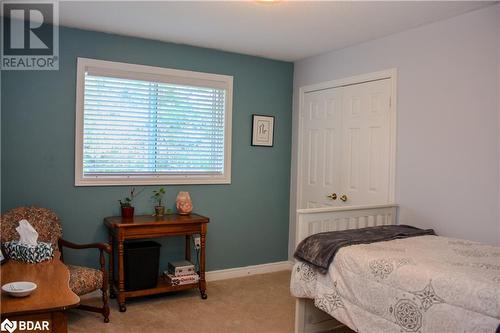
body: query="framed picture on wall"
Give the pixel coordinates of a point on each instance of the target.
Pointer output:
(262, 130)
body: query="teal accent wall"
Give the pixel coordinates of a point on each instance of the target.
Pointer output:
(249, 217)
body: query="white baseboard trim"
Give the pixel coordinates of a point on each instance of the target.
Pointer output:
(231, 273)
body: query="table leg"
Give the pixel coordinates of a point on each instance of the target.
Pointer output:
(203, 284)
(59, 322)
(121, 277)
(111, 267)
(188, 248)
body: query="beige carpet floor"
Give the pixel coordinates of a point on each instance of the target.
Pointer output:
(257, 304)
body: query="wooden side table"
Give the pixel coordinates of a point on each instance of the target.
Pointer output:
(147, 226)
(48, 302)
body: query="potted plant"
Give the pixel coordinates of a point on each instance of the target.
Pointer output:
(158, 197)
(126, 204)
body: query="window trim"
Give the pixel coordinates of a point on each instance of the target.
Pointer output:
(158, 73)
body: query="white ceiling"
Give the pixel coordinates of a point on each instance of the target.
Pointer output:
(285, 30)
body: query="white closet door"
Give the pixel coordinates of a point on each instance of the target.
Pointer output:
(321, 133)
(345, 145)
(366, 143)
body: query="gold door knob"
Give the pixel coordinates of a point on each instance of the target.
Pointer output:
(332, 196)
(343, 197)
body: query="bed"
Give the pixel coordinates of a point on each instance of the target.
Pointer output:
(417, 284)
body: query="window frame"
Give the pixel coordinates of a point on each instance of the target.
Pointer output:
(167, 75)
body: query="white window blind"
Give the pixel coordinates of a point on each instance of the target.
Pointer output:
(141, 128)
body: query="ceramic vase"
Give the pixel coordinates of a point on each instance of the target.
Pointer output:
(159, 210)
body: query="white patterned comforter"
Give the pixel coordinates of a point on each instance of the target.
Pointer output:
(418, 284)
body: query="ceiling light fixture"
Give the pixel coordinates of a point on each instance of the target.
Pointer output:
(268, 1)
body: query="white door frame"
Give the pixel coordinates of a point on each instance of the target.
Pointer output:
(390, 74)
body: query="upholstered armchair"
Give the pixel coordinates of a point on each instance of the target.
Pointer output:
(83, 280)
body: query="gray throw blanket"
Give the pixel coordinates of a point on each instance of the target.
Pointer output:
(319, 250)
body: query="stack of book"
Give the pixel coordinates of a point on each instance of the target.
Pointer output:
(181, 272)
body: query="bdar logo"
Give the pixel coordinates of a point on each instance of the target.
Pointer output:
(8, 325)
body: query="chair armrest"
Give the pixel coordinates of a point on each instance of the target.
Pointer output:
(101, 246)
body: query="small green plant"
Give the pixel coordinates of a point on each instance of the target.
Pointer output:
(158, 195)
(127, 201)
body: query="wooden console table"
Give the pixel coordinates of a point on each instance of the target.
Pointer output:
(147, 226)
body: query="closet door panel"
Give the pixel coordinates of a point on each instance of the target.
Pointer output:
(321, 134)
(345, 146)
